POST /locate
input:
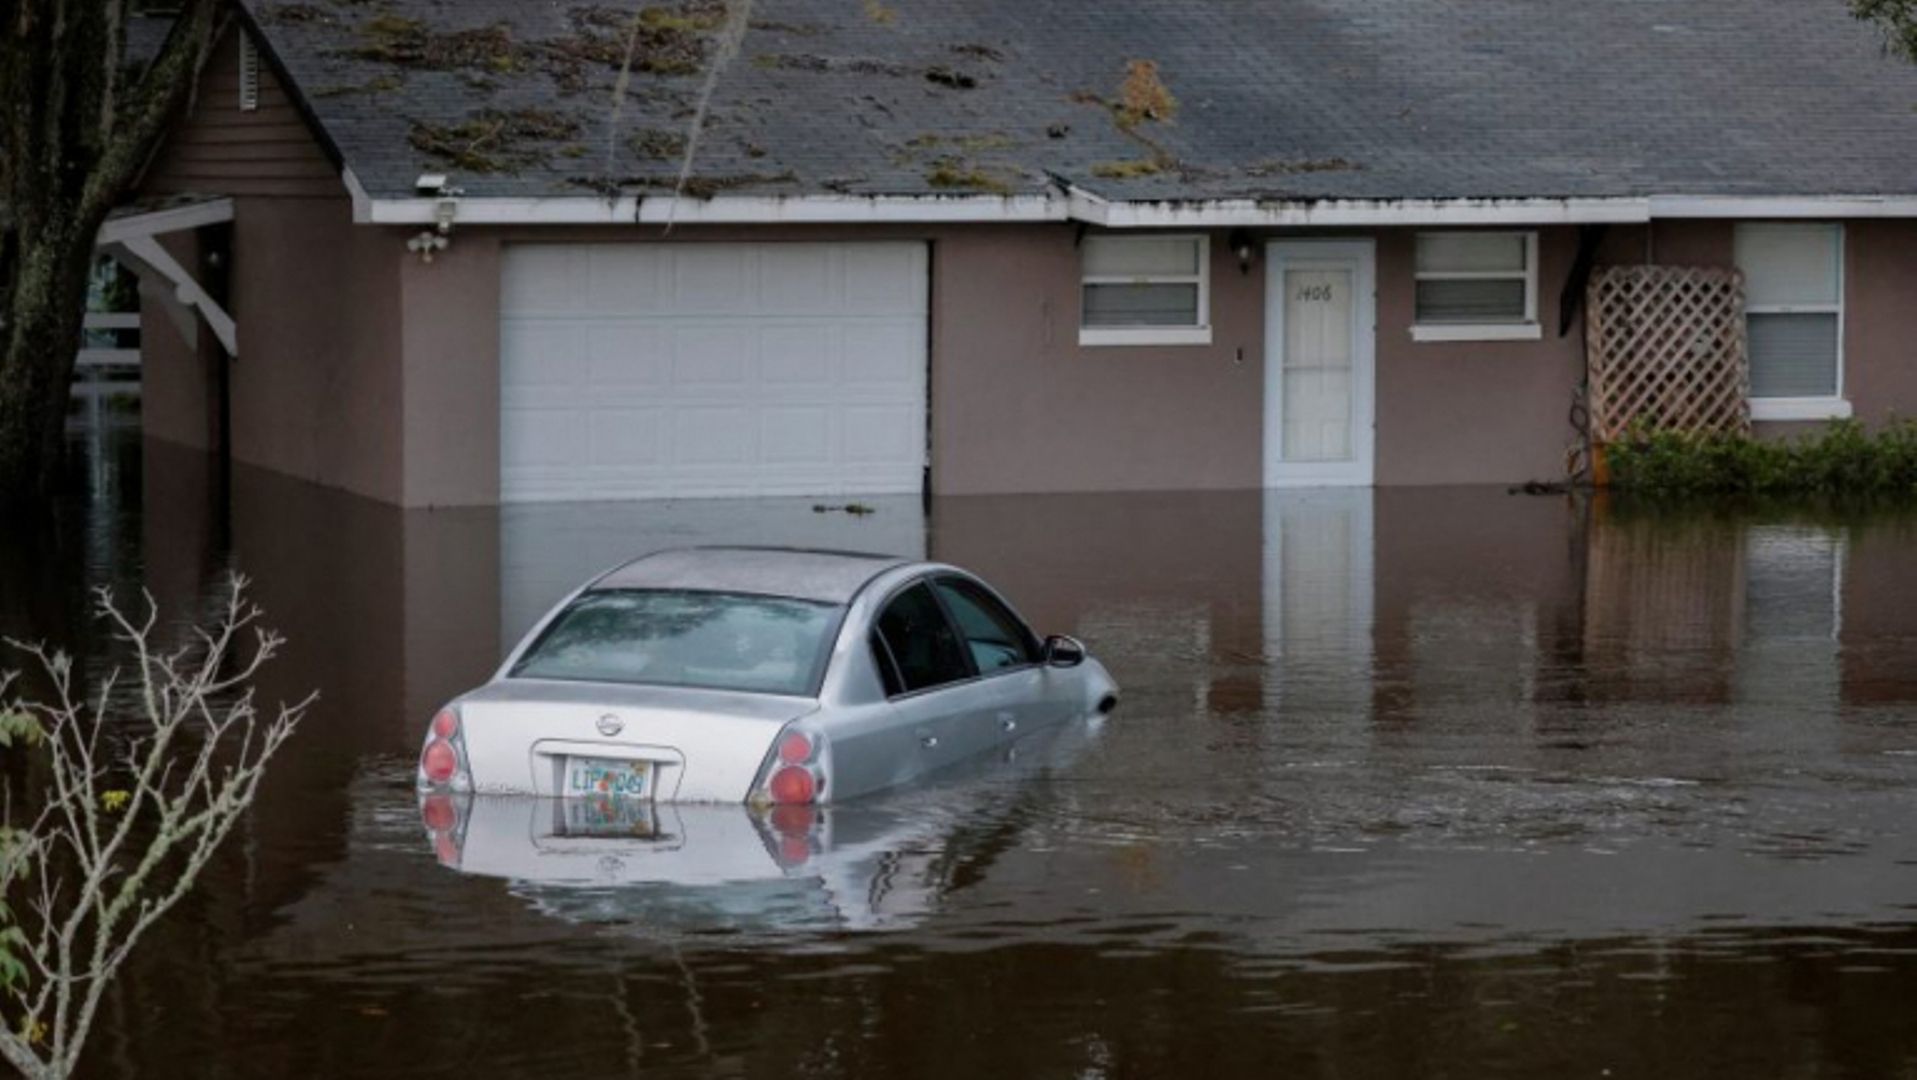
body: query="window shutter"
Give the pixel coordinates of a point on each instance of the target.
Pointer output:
(1471, 253)
(1793, 355)
(1471, 301)
(1792, 265)
(1141, 305)
(1140, 256)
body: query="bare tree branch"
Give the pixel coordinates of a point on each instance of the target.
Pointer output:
(123, 835)
(167, 83)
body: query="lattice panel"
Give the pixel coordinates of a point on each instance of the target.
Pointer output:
(1667, 349)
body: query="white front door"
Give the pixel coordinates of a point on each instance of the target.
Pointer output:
(1320, 329)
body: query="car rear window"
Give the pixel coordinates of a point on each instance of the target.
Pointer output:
(661, 637)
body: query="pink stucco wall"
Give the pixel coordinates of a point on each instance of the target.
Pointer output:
(448, 371)
(1473, 412)
(316, 388)
(1880, 333)
(364, 368)
(1019, 406)
(178, 402)
(1447, 413)
(1880, 280)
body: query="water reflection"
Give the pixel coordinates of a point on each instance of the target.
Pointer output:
(673, 869)
(1413, 781)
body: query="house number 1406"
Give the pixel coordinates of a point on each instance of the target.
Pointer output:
(1316, 293)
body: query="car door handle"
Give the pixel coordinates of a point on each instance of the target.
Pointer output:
(1007, 722)
(930, 742)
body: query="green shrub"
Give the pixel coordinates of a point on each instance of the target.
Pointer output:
(1844, 458)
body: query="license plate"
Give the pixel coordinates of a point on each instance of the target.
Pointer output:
(613, 777)
(606, 816)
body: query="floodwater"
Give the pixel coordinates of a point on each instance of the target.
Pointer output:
(1405, 783)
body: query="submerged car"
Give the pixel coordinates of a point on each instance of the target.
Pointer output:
(759, 675)
(874, 863)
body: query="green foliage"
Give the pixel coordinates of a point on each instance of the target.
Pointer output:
(953, 172)
(495, 140)
(1843, 459)
(1897, 18)
(1143, 96)
(653, 143)
(974, 143)
(18, 727)
(13, 940)
(1130, 169)
(13, 970)
(113, 288)
(701, 18)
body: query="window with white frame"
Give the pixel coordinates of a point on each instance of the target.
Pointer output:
(1476, 286)
(1794, 318)
(1145, 290)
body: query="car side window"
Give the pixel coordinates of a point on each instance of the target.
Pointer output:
(888, 671)
(921, 640)
(994, 636)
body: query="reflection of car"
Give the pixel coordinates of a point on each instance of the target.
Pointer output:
(759, 675)
(877, 863)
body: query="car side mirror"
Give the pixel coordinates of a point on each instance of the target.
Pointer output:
(1062, 651)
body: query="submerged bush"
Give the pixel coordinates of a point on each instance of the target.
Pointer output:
(1844, 458)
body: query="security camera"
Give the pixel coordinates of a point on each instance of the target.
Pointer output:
(431, 183)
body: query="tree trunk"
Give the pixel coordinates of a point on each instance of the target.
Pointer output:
(45, 314)
(73, 142)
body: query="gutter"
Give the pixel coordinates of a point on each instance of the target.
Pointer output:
(1070, 203)
(720, 210)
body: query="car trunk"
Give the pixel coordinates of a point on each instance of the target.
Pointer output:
(544, 737)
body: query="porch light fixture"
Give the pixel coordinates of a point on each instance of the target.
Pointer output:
(1241, 246)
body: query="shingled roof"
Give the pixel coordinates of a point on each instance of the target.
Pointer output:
(1297, 99)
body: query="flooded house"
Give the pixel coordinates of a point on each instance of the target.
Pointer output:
(999, 247)
(1214, 334)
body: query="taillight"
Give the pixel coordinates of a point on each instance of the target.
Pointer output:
(439, 761)
(793, 785)
(795, 748)
(442, 761)
(795, 770)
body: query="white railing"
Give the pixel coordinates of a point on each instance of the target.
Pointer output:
(102, 373)
(92, 360)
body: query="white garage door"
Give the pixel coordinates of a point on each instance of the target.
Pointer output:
(683, 369)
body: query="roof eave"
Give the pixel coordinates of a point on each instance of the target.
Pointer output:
(1078, 205)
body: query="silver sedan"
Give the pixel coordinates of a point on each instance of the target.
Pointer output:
(759, 675)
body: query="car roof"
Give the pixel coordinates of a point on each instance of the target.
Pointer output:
(832, 577)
